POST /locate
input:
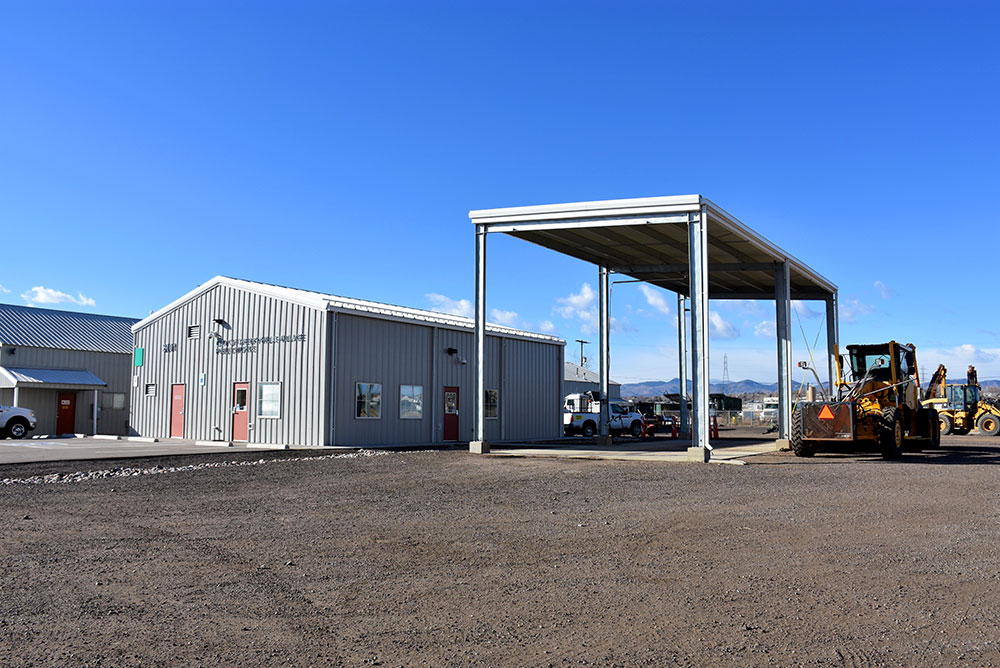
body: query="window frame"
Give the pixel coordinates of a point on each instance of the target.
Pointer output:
(496, 404)
(411, 417)
(260, 397)
(368, 403)
(114, 396)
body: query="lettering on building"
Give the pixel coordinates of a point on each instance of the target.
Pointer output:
(241, 346)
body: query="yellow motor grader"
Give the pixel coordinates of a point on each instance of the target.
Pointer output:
(876, 402)
(960, 407)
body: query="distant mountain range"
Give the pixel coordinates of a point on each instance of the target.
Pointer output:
(656, 388)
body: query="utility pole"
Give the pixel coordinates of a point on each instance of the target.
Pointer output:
(583, 359)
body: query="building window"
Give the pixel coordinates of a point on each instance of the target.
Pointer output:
(369, 400)
(194, 331)
(411, 402)
(269, 400)
(113, 400)
(492, 403)
(150, 390)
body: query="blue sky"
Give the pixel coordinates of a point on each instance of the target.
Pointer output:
(149, 146)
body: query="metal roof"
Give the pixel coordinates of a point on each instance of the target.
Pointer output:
(647, 239)
(577, 374)
(76, 378)
(66, 330)
(328, 302)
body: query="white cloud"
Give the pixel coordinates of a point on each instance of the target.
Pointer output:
(506, 318)
(40, 295)
(547, 326)
(722, 328)
(580, 306)
(958, 359)
(764, 328)
(851, 308)
(883, 289)
(656, 299)
(443, 304)
(804, 310)
(4, 290)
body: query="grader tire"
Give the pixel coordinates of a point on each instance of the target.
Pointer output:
(988, 424)
(800, 446)
(890, 433)
(947, 425)
(934, 440)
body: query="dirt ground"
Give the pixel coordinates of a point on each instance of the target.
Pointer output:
(449, 559)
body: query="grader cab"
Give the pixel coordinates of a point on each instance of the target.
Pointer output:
(876, 402)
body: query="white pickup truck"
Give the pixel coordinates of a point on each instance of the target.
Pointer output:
(16, 422)
(624, 419)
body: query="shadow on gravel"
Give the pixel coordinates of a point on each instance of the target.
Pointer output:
(954, 455)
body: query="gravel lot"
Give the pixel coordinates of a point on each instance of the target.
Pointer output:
(447, 559)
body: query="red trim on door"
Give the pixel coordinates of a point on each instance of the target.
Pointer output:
(450, 423)
(241, 413)
(176, 411)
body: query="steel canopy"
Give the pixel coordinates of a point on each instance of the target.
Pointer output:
(647, 239)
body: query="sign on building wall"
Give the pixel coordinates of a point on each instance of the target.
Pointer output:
(238, 346)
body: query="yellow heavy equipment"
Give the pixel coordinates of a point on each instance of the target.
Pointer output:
(876, 401)
(961, 406)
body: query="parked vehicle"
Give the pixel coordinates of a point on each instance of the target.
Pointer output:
(16, 422)
(624, 419)
(880, 405)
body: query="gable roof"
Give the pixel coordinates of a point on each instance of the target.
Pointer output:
(328, 302)
(65, 330)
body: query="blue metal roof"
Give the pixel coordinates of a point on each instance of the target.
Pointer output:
(61, 377)
(68, 330)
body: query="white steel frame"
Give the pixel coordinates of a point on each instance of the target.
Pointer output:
(696, 212)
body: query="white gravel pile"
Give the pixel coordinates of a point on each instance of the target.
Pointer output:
(80, 476)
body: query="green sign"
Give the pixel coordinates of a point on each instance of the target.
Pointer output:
(137, 357)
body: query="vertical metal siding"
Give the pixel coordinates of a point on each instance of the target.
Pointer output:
(371, 350)
(533, 375)
(112, 368)
(298, 366)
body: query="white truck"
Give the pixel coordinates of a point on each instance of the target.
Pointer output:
(16, 422)
(581, 415)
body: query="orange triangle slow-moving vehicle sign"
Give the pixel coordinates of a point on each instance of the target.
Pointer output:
(825, 413)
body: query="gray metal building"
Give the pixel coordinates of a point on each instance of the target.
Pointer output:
(242, 361)
(578, 379)
(72, 369)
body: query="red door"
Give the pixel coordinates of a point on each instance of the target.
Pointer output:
(450, 414)
(176, 411)
(241, 421)
(66, 415)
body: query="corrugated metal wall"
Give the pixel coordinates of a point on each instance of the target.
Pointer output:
(532, 376)
(372, 350)
(300, 367)
(114, 369)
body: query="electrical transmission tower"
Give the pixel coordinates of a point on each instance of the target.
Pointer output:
(725, 374)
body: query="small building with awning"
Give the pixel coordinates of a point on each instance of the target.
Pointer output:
(73, 369)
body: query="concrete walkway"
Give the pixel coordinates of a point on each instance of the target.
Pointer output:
(68, 449)
(725, 451)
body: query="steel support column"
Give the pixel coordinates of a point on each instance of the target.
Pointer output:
(479, 444)
(832, 341)
(604, 298)
(698, 268)
(95, 412)
(16, 396)
(783, 319)
(683, 429)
